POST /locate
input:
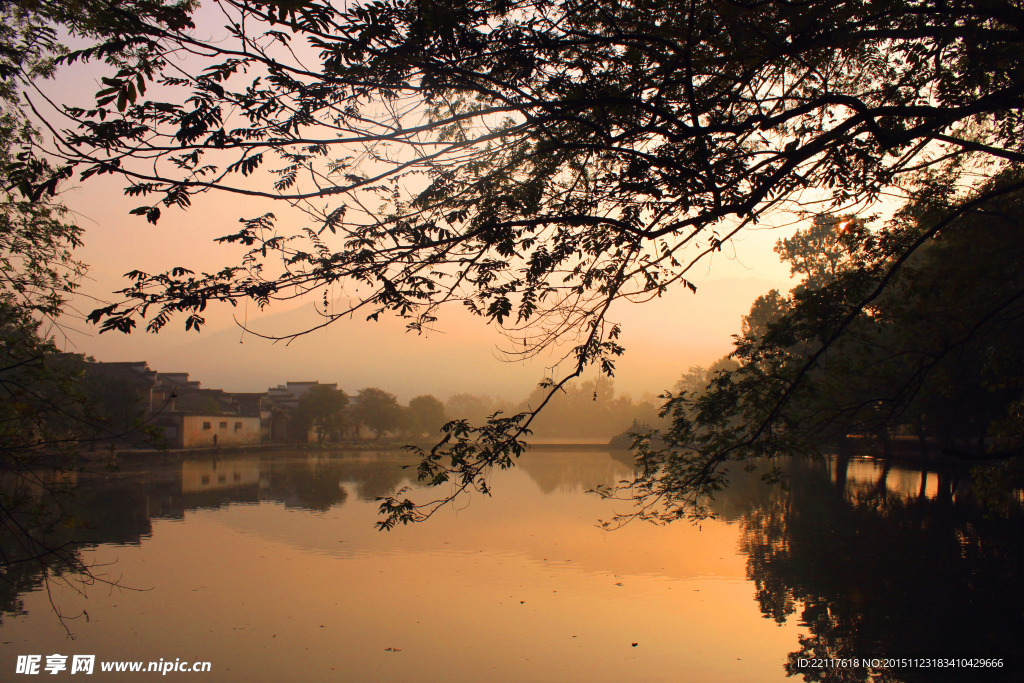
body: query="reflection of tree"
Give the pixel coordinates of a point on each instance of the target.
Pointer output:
(553, 471)
(52, 518)
(318, 483)
(375, 474)
(119, 508)
(308, 484)
(884, 574)
(31, 527)
(17, 580)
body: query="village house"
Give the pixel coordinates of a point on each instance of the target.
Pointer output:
(186, 414)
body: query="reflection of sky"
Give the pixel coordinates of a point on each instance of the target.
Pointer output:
(520, 586)
(863, 475)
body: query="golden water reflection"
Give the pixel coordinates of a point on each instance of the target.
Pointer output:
(271, 569)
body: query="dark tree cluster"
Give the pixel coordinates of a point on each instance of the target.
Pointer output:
(877, 341)
(867, 569)
(333, 416)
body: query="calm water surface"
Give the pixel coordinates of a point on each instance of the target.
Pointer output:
(270, 568)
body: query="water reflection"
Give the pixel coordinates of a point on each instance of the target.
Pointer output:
(120, 508)
(855, 558)
(882, 561)
(257, 564)
(55, 516)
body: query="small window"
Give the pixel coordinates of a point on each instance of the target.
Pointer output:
(237, 476)
(206, 479)
(221, 478)
(238, 426)
(206, 425)
(223, 425)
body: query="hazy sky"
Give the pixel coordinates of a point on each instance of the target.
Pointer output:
(663, 338)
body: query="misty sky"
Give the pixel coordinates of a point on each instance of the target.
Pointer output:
(662, 338)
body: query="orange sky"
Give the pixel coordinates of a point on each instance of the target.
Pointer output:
(663, 338)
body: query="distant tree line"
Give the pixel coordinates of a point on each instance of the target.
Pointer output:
(587, 409)
(333, 415)
(591, 409)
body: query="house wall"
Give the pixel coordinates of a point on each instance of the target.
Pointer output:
(230, 430)
(171, 431)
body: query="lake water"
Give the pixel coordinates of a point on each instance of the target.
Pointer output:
(269, 567)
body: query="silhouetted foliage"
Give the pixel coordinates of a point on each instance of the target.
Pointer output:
(878, 340)
(49, 412)
(40, 411)
(538, 160)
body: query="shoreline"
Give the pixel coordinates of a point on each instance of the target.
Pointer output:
(177, 454)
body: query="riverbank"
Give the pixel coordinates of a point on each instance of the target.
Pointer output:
(160, 455)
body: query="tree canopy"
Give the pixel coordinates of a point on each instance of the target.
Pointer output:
(424, 415)
(538, 160)
(38, 271)
(322, 409)
(377, 410)
(49, 412)
(931, 349)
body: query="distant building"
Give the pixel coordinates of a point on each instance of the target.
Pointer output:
(188, 415)
(287, 395)
(195, 417)
(182, 430)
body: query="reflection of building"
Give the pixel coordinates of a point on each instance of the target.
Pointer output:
(212, 475)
